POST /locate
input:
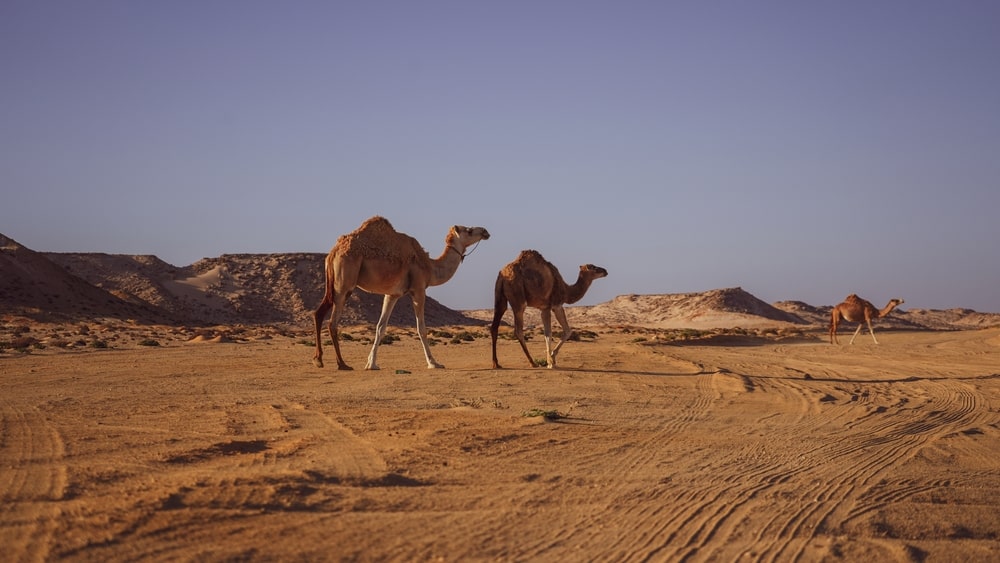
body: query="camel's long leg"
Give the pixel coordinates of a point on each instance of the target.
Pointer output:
(567, 332)
(499, 308)
(387, 304)
(518, 311)
(834, 320)
(339, 301)
(419, 298)
(550, 358)
(319, 316)
(871, 331)
(856, 333)
(331, 300)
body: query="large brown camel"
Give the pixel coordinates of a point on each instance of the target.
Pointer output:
(856, 310)
(380, 260)
(532, 281)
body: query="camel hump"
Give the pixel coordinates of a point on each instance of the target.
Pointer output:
(533, 268)
(376, 238)
(534, 259)
(527, 255)
(376, 224)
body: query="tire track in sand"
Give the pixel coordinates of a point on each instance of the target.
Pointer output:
(775, 497)
(871, 448)
(653, 514)
(274, 458)
(637, 451)
(32, 482)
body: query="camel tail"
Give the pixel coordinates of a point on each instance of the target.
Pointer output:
(329, 283)
(324, 308)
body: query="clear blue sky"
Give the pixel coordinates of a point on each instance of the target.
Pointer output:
(801, 150)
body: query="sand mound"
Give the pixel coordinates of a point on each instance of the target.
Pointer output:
(202, 339)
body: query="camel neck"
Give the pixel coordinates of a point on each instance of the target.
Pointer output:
(576, 291)
(445, 266)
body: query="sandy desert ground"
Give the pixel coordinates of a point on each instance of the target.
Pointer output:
(634, 449)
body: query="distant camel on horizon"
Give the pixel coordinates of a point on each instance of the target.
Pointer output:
(857, 310)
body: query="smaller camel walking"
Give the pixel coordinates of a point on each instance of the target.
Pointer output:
(856, 310)
(378, 259)
(532, 281)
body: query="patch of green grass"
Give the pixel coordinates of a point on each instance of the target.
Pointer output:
(546, 414)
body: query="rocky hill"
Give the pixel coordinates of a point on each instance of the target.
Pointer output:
(283, 289)
(34, 286)
(280, 289)
(735, 307)
(709, 309)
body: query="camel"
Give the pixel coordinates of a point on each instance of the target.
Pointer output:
(378, 259)
(532, 281)
(856, 310)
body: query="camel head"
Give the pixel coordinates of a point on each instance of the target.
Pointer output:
(892, 304)
(467, 236)
(592, 272)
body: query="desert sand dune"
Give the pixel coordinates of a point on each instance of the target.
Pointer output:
(632, 450)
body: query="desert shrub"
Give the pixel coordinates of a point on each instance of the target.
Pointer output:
(639, 339)
(463, 336)
(23, 343)
(546, 414)
(389, 339)
(441, 334)
(345, 336)
(148, 342)
(511, 336)
(59, 342)
(99, 344)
